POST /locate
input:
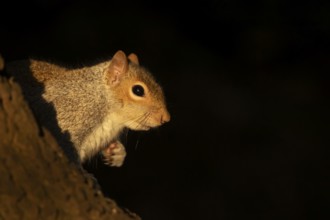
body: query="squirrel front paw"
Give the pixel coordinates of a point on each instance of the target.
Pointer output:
(114, 155)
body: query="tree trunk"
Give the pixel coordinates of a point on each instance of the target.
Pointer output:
(36, 180)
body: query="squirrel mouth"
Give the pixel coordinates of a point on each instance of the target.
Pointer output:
(145, 128)
(140, 127)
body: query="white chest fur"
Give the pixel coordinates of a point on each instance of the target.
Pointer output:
(101, 136)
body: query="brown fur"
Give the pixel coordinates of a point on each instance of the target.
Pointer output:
(87, 108)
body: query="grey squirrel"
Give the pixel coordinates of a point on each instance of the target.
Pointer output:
(87, 108)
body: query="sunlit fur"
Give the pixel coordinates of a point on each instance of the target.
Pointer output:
(93, 110)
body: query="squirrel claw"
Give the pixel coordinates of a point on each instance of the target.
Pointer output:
(114, 155)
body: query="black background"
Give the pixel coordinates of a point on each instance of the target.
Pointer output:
(245, 83)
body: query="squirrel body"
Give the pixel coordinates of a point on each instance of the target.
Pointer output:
(89, 107)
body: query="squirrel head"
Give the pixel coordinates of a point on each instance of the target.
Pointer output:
(141, 98)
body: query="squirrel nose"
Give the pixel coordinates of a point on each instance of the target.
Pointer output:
(165, 117)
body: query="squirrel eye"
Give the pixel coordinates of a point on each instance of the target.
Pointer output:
(138, 90)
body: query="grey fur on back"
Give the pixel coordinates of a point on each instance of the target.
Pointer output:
(70, 105)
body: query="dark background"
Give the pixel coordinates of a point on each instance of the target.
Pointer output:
(245, 83)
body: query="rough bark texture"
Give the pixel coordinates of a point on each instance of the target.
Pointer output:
(36, 180)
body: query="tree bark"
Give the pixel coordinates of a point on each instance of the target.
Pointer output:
(37, 181)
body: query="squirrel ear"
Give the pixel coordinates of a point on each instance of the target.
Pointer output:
(118, 67)
(133, 58)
